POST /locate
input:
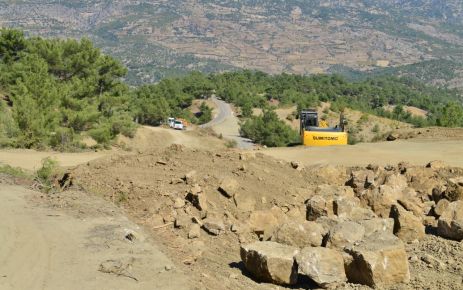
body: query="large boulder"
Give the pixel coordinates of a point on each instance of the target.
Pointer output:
(317, 207)
(324, 266)
(301, 235)
(450, 223)
(454, 190)
(350, 209)
(197, 198)
(380, 259)
(423, 180)
(344, 234)
(374, 225)
(271, 262)
(397, 182)
(322, 202)
(407, 226)
(380, 199)
(441, 206)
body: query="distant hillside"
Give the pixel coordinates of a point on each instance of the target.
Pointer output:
(439, 72)
(163, 38)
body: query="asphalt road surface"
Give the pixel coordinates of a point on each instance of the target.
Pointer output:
(227, 124)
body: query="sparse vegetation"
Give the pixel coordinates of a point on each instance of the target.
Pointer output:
(48, 169)
(13, 171)
(231, 143)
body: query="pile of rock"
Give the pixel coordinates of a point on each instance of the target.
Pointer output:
(348, 251)
(356, 233)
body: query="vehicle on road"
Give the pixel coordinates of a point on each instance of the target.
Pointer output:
(178, 125)
(171, 122)
(318, 133)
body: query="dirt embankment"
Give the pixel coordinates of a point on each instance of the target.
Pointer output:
(200, 206)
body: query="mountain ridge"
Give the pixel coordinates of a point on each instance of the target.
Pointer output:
(164, 38)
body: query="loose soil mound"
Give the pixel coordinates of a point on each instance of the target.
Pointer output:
(236, 197)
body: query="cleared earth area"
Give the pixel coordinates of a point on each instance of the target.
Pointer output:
(417, 152)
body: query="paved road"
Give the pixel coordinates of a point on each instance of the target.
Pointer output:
(227, 124)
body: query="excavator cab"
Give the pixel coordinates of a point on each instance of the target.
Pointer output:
(313, 134)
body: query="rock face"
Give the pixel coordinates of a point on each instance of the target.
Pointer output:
(450, 223)
(407, 226)
(322, 265)
(378, 260)
(300, 234)
(271, 262)
(344, 234)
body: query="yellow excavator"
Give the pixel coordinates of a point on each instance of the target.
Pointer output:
(315, 132)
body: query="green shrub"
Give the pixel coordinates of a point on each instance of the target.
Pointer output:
(102, 134)
(269, 130)
(48, 169)
(205, 113)
(123, 125)
(231, 143)
(246, 110)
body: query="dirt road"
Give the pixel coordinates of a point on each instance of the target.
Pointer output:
(227, 124)
(32, 160)
(53, 249)
(417, 152)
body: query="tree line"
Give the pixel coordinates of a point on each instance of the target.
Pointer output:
(54, 92)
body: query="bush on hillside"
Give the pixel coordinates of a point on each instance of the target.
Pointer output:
(269, 130)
